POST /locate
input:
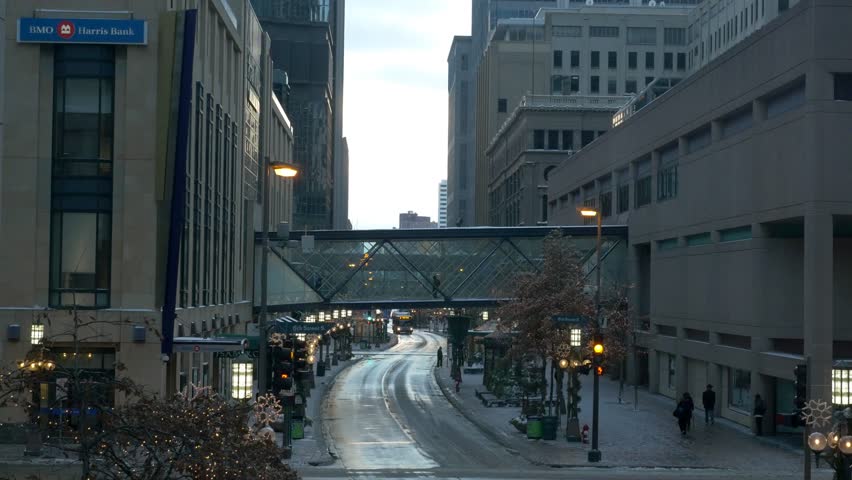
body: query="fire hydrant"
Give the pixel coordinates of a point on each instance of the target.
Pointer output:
(585, 434)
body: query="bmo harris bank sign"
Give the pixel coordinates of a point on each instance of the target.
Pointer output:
(82, 30)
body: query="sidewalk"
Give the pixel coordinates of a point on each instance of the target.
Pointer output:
(647, 437)
(313, 450)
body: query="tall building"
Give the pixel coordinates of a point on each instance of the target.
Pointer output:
(564, 54)
(737, 205)
(91, 180)
(464, 58)
(342, 188)
(460, 140)
(412, 220)
(442, 204)
(307, 44)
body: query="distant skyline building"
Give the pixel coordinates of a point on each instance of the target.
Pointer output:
(442, 204)
(307, 43)
(411, 220)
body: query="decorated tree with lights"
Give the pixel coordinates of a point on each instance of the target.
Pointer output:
(193, 435)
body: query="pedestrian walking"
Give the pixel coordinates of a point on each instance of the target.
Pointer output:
(440, 357)
(759, 412)
(708, 399)
(683, 412)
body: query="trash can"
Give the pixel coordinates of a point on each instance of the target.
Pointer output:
(321, 369)
(297, 428)
(549, 425)
(534, 427)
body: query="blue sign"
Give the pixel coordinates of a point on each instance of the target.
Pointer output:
(82, 30)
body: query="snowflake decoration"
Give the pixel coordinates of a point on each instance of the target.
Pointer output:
(817, 413)
(276, 339)
(563, 351)
(267, 409)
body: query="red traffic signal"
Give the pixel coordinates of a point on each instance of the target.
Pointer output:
(599, 370)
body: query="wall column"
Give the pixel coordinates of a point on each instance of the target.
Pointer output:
(819, 302)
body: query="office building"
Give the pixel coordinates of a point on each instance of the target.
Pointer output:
(590, 51)
(412, 220)
(442, 204)
(737, 201)
(91, 179)
(460, 144)
(541, 133)
(307, 44)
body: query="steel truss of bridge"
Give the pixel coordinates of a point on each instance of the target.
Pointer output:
(429, 268)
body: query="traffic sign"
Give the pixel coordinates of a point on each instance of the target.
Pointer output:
(568, 319)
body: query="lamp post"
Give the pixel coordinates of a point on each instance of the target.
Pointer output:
(595, 453)
(284, 170)
(836, 446)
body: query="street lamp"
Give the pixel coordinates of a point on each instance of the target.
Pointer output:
(595, 453)
(286, 170)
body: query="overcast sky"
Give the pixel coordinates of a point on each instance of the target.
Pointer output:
(395, 105)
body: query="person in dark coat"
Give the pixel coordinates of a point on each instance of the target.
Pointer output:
(683, 412)
(759, 412)
(440, 357)
(708, 399)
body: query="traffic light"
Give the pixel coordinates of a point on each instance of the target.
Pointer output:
(599, 370)
(801, 388)
(282, 369)
(597, 345)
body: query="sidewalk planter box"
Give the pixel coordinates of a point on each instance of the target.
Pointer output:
(549, 426)
(534, 428)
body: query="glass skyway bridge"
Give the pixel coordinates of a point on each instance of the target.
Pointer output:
(430, 268)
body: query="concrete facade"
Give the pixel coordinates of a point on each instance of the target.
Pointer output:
(736, 196)
(412, 220)
(233, 123)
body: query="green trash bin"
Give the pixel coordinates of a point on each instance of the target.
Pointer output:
(549, 425)
(534, 428)
(297, 428)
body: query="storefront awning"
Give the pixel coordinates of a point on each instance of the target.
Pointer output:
(216, 344)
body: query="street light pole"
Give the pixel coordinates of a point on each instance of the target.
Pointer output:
(595, 453)
(264, 268)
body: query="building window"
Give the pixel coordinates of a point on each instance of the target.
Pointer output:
(81, 214)
(623, 198)
(649, 80)
(612, 60)
(543, 218)
(671, 371)
(575, 58)
(668, 61)
(611, 86)
(632, 60)
(605, 32)
(737, 122)
(502, 105)
(843, 86)
(553, 139)
(667, 182)
(789, 99)
(556, 85)
(674, 36)
(567, 140)
(735, 234)
(567, 31)
(538, 139)
(557, 59)
(596, 59)
(698, 139)
(586, 137)
(594, 84)
(642, 185)
(699, 239)
(681, 61)
(575, 83)
(606, 204)
(630, 86)
(649, 60)
(667, 244)
(739, 389)
(841, 387)
(641, 36)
